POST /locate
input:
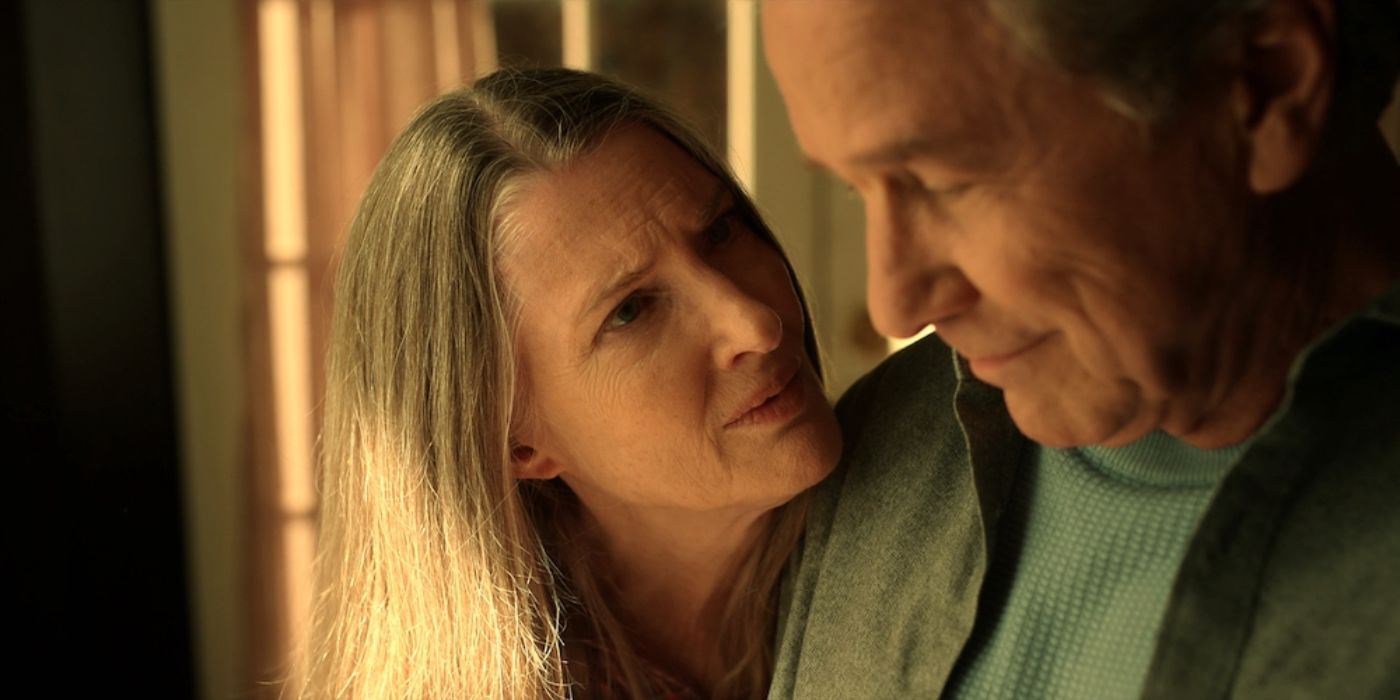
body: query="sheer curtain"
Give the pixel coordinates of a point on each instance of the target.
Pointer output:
(330, 83)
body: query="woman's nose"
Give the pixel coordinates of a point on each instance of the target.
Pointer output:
(911, 279)
(744, 325)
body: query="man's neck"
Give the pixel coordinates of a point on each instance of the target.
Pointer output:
(1332, 250)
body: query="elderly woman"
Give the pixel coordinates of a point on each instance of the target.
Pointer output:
(574, 400)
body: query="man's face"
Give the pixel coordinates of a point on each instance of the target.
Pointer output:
(1091, 270)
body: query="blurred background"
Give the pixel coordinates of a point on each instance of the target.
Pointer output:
(181, 174)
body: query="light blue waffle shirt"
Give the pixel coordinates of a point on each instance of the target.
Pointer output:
(1094, 537)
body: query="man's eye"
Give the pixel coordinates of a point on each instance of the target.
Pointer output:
(628, 311)
(911, 183)
(917, 184)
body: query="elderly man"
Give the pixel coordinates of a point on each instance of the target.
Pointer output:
(1161, 240)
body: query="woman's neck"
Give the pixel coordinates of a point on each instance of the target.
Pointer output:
(671, 573)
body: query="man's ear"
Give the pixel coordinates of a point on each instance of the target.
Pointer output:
(1283, 89)
(527, 462)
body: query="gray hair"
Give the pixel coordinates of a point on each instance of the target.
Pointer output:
(1149, 55)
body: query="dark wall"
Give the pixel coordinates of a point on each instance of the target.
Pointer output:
(101, 567)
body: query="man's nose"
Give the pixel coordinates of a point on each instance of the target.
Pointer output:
(912, 278)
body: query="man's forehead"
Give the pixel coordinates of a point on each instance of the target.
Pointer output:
(865, 77)
(892, 34)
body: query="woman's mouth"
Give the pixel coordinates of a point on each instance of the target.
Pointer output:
(775, 405)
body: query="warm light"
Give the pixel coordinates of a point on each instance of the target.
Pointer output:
(298, 550)
(287, 298)
(483, 30)
(447, 45)
(897, 344)
(743, 34)
(578, 34)
(284, 176)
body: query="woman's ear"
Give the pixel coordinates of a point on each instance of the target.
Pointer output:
(1283, 88)
(527, 462)
(529, 456)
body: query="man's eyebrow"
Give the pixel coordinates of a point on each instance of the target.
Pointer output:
(956, 150)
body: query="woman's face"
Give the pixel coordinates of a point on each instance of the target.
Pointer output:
(660, 339)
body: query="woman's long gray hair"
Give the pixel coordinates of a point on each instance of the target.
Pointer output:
(438, 574)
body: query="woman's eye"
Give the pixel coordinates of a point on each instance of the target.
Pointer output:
(628, 311)
(720, 231)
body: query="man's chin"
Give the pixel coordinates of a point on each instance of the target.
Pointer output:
(1063, 421)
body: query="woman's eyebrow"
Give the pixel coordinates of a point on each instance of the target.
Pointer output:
(626, 278)
(607, 290)
(718, 199)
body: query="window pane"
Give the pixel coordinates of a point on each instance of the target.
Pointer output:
(528, 33)
(675, 50)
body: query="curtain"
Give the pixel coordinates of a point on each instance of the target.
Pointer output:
(330, 82)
